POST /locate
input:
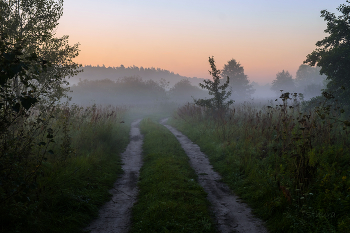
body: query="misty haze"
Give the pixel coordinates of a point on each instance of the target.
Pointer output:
(174, 116)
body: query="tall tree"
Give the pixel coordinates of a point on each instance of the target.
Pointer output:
(33, 65)
(333, 53)
(284, 81)
(220, 95)
(239, 83)
(307, 75)
(309, 81)
(30, 24)
(183, 91)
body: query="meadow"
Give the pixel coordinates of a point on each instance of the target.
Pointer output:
(287, 160)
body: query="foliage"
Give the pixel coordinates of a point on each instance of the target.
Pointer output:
(147, 73)
(22, 130)
(127, 90)
(309, 81)
(333, 53)
(283, 82)
(239, 83)
(170, 199)
(312, 90)
(216, 103)
(14, 65)
(30, 25)
(72, 181)
(145, 89)
(33, 67)
(308, 75)
(183, 90)
(291, 166)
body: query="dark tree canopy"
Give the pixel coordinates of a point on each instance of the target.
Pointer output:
(31, 25)
(308, 75)
(183, 91)
(309, 81)
(333, 52)
(284, 81)
(127, 90)
(239, 83)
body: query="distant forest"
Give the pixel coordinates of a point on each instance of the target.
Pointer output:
(133, 91)
(308, 81)
(115, 73)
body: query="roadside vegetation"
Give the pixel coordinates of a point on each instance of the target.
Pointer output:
(55, 181)
(291, 166)
(289, 159)
(57, 162)
(170, 199)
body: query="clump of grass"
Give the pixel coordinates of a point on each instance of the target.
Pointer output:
(170, 199)
(289, 164)
(73, 181)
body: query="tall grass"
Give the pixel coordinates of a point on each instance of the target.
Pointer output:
(74, 161)
(290, 165)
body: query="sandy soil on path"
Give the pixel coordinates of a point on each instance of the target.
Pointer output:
(115, 215)
(231, 215)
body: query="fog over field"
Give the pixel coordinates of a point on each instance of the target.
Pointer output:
(174, 116)
(171, 41)
(139, 85)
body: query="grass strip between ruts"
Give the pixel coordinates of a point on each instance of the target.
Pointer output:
(170, 199)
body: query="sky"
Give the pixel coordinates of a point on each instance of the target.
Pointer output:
(264, 36)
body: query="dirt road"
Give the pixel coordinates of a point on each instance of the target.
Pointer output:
(230, 213)
(115, 215)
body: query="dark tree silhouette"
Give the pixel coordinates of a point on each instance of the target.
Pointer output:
(183, 91)
(239, 83)
(284, 81)
(308, 75)
(309, 81)
(31, 24)
(217, 103)
(333, 53)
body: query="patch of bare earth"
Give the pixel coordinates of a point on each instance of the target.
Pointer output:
(231, 215)
(115, 215)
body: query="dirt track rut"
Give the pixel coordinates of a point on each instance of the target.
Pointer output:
(115, 215)
(231, 215)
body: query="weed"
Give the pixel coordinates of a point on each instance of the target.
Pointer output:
(288, 163)
(60, 191)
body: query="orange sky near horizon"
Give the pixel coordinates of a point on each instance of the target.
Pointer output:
(180, 36)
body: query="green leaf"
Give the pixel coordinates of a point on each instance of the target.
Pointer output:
(16, 107)
(28, 101)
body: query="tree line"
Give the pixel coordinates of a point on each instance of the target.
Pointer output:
(114, 73)
(134, 90)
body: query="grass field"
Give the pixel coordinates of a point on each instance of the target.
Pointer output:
(290, 166)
